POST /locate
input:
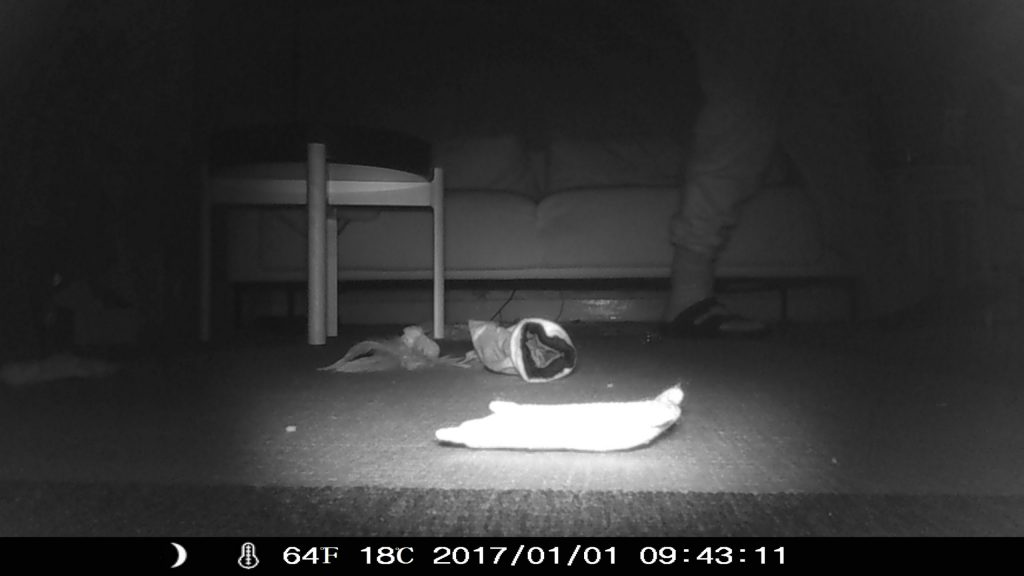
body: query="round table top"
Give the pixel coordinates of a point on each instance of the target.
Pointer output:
(351, 150)
(336, 172)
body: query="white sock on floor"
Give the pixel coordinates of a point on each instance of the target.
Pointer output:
(592, 427)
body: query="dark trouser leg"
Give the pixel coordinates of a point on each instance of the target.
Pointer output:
(739, 49)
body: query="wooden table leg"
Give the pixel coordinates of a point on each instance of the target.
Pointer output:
(316, 203)
(437, 202)
(332, 271)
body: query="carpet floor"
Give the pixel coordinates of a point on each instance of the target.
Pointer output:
(813, 431)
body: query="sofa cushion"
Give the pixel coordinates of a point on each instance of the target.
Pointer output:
(579, 163)
(619, 229)
(484, 232)
(488, 235)
(591, 233)
(778, 233)
(624, 232)
(486, 163)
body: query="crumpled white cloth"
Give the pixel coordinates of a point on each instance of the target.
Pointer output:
(591, 427)
(414, 350)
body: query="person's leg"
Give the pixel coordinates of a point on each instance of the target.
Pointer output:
(738, 47)
(732, 143)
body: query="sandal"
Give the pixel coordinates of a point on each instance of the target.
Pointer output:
(709, 319)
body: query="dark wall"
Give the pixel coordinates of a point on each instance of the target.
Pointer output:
(98, 157)
(438, 67)
(107, 104)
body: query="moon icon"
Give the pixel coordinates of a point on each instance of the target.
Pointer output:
(182, 554)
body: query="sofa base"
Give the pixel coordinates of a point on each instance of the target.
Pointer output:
(790, 299)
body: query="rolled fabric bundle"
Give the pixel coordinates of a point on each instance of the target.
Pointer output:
(542, 350)
(491, 343)
(536, 349)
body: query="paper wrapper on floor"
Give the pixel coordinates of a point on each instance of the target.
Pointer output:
(592, 427)
(536, 349)
(412, 351)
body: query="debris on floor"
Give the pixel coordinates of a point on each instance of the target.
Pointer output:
(535, 349)
(53, 368)
(413, 350)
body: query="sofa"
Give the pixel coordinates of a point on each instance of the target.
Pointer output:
(560, 208)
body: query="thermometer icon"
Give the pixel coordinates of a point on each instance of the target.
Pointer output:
(248, 559)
